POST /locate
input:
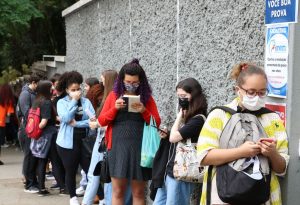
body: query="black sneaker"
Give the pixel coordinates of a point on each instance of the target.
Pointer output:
(63, 192)
(55, 186)
(1, 163)
(43, 192)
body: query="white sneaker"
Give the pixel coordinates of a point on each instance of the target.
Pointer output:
(74, 201)
(102, 202)
(5, 145)
(31, 190)
(80, 191)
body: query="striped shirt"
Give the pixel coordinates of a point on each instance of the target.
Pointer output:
(210, 136)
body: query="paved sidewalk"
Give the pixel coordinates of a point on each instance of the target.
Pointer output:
(11, 187)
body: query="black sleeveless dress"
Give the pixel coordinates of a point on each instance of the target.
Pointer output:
(125, 155)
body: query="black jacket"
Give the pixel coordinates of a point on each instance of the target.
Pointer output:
(159, 166)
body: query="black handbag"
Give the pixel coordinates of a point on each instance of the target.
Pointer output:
(102, 167)
(88, 145)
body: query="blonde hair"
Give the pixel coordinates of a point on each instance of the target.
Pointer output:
(242, 70)
(110, 76)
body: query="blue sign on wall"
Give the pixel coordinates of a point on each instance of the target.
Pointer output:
(281, 11)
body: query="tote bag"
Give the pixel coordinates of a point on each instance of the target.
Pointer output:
(150, 143)
(186, 163)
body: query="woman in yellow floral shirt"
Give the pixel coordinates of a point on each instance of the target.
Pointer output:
(251, 88)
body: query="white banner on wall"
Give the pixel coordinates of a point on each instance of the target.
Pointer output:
(276, 59)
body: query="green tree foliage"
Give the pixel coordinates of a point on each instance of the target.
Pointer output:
(30, 29)
(10, 74)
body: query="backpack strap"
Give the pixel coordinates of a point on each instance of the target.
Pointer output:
(225, 109)
(262, 111)
(208, 187)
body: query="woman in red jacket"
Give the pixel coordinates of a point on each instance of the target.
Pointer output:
(125, 130)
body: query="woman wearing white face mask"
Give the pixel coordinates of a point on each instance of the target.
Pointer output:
(251, 88)
(74, 123)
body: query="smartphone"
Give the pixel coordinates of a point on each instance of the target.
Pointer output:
(270, 140)
(126, 100)
(160, 130)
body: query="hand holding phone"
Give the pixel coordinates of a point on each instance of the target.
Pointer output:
(163, 131)
(270, 140)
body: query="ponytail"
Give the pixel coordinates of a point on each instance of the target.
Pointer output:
(240, 71)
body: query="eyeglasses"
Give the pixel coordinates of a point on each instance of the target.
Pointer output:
(135, 84)
(252, 93)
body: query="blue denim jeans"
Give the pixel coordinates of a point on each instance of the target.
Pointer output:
(174, 192)
(108, 194)
(93, 181)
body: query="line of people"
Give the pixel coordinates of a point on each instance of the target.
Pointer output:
(76, 127)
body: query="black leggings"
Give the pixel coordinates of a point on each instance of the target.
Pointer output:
(71, 158)
(2, 137)
(41, 171)
(57, 165)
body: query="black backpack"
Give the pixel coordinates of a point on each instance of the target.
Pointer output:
(234, 185)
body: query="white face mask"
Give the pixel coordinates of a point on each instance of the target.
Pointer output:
(253, 104)
(71, 94)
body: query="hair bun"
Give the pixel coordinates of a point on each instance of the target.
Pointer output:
(136, 61)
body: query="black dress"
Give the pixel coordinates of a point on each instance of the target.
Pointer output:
(125, 155)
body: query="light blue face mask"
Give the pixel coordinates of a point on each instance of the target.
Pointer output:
(131, 88)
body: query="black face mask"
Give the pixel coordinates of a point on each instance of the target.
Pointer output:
(184, 103)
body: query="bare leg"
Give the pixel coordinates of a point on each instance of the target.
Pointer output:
(138, 192)
(119, 189)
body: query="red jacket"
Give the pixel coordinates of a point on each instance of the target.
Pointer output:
(109, 113)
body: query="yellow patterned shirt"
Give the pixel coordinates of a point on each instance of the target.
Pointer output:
(209, 139)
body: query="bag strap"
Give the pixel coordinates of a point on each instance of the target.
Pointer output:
(232, 111)
(208, 186)
(225, 109)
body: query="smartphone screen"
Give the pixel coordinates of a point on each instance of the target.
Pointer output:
(126, 100)
(160, 129)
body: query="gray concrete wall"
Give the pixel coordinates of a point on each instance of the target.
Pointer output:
(174, 39)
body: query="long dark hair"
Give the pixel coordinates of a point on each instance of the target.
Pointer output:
(133, 68)
(198, 102)
(43, 91)
(6, 95)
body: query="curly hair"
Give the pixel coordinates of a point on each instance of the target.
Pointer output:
(67, 79)
(198, 102)
(133, 68)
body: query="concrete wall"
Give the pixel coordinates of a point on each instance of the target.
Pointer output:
(174, 39)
